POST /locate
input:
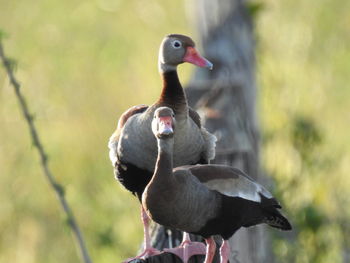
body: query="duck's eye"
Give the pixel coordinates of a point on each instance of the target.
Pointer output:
(176, 44)
(173, 115)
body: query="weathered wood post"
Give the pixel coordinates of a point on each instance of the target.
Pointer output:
(226, 100)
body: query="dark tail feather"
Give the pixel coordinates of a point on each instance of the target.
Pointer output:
(271, 215)
(275, 219)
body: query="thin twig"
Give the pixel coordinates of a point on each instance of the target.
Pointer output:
(8, 64)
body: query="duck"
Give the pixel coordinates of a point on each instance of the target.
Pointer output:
(207, 199)
(133, 147)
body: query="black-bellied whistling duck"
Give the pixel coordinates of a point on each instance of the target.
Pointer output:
(204, 200)
(133, 148)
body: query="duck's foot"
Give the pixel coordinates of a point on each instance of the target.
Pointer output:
(187, 249)
(149, 252)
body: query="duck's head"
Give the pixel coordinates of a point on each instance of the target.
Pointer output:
(176, 49)
(163, 123)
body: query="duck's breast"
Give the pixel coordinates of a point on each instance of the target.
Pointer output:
(137, 144)
(189, 144)
(184, 203)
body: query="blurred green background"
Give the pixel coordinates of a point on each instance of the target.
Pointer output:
(82, 63)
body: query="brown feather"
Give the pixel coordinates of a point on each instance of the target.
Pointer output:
(172, 95)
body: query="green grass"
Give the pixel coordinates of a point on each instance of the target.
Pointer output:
(304, 60)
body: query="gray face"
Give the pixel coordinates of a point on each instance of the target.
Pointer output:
(172, 51)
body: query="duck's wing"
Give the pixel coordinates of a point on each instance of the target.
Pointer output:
(231, 182)
(113, 141)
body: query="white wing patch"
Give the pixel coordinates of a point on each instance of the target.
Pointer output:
(240, 187)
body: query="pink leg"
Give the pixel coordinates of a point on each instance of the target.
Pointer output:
(187, 248)
(148, 249)
(211, 247)
(224, 251)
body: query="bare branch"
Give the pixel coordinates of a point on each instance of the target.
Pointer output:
(9, 65)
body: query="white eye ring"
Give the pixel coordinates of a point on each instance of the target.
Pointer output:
(177, 44)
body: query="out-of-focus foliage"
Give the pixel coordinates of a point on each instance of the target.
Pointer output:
(303, 71)
(82, 63)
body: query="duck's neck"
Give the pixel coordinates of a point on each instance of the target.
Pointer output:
(172, 94)
(164, 166)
